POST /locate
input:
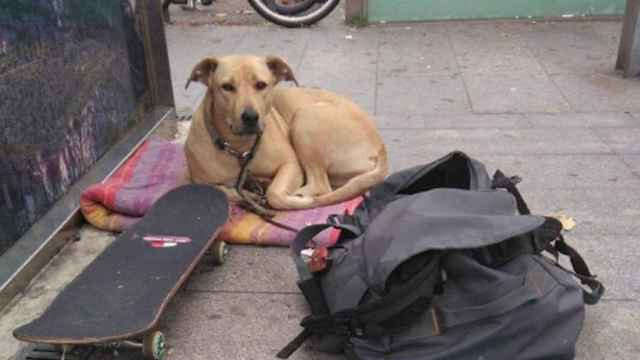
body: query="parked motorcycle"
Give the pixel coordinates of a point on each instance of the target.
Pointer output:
(288, 13)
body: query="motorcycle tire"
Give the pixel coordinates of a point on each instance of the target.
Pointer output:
(297, 19)
(303, 6)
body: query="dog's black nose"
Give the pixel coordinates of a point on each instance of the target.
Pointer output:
(250, 117)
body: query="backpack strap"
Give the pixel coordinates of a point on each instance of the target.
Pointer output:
(387, 314)
(534, 242)
(581, 271)
(548, 237)
(509, 183)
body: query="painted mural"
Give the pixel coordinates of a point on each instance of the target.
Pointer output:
(72, 75)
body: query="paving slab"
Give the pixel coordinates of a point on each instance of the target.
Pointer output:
(421, 94)
(603, 212)
(215, 325)
(344, 62)
(400, 121)
(598, 172)
(493, 48)
(591, 120)
(198, 44)
(288, 44)
(450, 121)
(564, 48)
(503, 141)
(425, 50)
(514, 92)
(473, 121)
(633, 161)
(341, 83)
(599, 92)
(519, 63)
(624, 141)
(621, 282)
(481, 38)
(251, 269)
(610, 332)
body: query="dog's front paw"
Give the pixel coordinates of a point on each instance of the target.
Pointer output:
(306, 191)
(302, 201)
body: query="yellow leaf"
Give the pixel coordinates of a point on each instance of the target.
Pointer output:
(568, 223)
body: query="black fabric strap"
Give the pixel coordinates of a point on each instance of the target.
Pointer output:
(581, 272)
(501, 181)
(380, 316)
(533, 242)
(294, 345)
(415, 296)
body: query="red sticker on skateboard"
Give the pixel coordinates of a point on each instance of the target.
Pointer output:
(165, 241)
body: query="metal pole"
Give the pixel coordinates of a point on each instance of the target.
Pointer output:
(629, 52)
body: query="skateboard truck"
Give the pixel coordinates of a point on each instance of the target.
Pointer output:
(153, 347)
(64, 352)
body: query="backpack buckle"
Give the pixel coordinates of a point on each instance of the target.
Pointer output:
(355, 327)
(334, 219)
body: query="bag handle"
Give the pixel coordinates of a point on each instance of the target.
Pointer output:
(509, 183)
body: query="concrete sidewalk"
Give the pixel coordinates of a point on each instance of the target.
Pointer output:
(539, 100)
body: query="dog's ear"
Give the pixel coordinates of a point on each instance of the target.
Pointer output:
(202, 70)
(280, 69)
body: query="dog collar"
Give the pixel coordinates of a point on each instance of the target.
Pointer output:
(224, 145)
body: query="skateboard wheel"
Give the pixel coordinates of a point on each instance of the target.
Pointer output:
(154, 346)
(219, 251)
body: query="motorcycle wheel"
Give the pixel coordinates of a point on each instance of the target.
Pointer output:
(298, 19)
(298, 7)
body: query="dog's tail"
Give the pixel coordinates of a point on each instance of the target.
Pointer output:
(358, 185)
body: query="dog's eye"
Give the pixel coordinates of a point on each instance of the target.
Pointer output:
(228, 87)
(261, 85)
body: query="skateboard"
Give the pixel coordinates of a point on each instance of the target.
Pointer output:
(116, 302)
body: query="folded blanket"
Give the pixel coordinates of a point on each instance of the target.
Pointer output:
(159, 166)
(117, 203)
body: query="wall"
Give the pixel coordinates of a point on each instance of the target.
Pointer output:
(413, 10)
(72, 76)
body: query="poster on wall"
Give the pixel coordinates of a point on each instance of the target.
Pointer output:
(72, 80)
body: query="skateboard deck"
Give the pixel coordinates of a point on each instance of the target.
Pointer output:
(123, 292)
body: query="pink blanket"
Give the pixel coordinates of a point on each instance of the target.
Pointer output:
(159, 166)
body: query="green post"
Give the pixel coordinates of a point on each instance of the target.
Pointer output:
(356, 12)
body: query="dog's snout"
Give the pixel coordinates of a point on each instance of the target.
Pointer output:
(250, 117)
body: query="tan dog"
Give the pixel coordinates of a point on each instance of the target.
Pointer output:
(317, 148)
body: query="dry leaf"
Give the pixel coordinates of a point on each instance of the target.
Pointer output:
(568, 223)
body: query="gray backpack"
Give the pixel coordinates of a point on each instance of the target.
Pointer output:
(442, 262)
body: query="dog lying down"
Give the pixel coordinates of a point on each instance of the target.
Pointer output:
(316, 148)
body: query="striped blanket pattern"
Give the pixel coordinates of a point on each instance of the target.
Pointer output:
(159, 166)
